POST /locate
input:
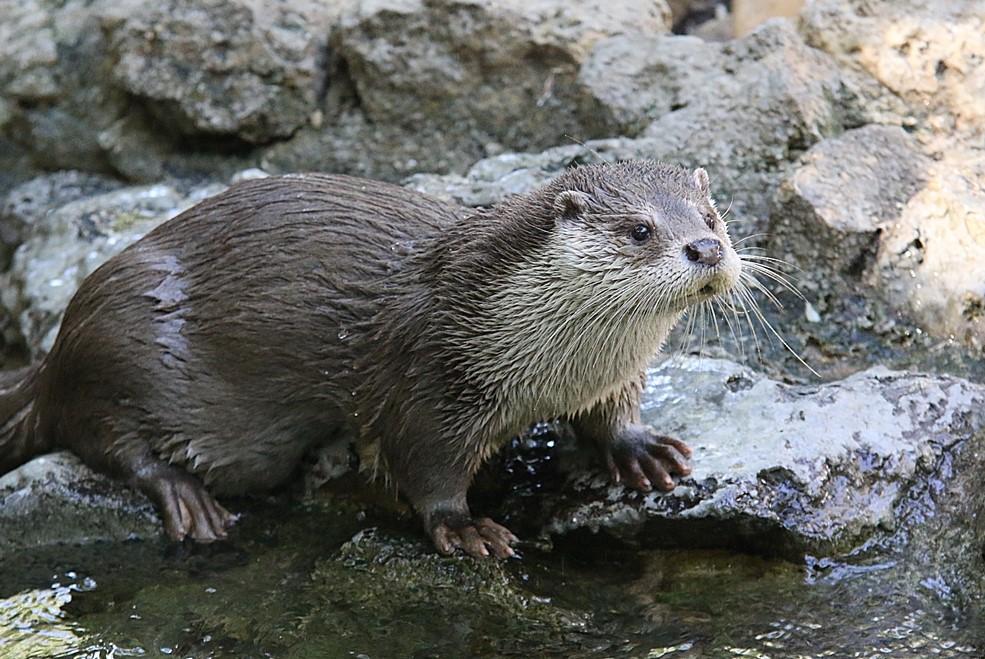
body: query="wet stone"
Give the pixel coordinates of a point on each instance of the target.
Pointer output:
(777, 469)
(55, 499)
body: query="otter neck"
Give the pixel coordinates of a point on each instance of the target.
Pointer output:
(544, 338)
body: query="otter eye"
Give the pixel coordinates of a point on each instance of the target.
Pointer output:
(710, 220)
(640, 233)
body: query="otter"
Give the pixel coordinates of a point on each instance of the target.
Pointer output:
(208, 357)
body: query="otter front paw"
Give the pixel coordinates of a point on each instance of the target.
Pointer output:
(642, 459)
(476, 537)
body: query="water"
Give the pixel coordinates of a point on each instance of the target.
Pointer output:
(282, 588)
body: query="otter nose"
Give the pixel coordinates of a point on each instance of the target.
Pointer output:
(707, 251)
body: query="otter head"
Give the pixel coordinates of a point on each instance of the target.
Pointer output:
(648, 233)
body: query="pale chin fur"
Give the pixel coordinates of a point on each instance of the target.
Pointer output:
(677, 286)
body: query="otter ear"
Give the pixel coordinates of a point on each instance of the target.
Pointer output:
(700, 178)
(571, 204)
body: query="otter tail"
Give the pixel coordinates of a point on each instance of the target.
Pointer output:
(18, 438)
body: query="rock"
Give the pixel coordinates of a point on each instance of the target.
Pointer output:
(927, 53)
(781, 98)
(28, 52)
(708, 19)
(828, 214)
(635, 79)
(66, 241)
(53, 83)
(869, 207)
(503, 72)
(249, 69)
(930, 260)
(55, 499)
(745, 127)
(360, 147)
(382, 574)
(780, 469)
(747, 15)
(30, 201)
(20, 210)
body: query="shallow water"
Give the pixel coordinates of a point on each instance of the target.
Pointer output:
(275, 591)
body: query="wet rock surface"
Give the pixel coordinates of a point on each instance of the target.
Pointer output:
(253, 70)
(777, 469)
(56, 500)
(67, 233)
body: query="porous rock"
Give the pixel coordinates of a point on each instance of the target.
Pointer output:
(64, 242)
(251, 69)
(869, 208)
(777, 98)
(930, 260)
(829, 212)
(928, 53)
(632, 80)
(506, 71)
(777, 468)
(56, 499)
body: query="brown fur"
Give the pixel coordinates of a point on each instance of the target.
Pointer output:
(290, 310)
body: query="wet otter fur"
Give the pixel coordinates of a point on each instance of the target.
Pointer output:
(209, 356)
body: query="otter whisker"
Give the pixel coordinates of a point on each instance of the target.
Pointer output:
(766, 325)
(770, 273)
(724, 308)
(724, 214)
(714, 318)
(702, 326)
(750, 280)
(767, 262)
(749, 237)
(687, 334)
(764, 264)
(749, 306)
(752, 253)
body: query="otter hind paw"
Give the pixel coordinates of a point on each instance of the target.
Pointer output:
(189, 511)
(478, 537)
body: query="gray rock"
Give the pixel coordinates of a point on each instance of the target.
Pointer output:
(505, 71)
(780, 98)
(930, 260)
(64, 244)
(53, 83)
(29, 202)
(927, 53)
(778, 468)
(355, 145)
(28, 52)
(773, 98)
(56, 499)
(829, 212)
(870, 208)
(253, 70)
(632, 80)
(23, 207)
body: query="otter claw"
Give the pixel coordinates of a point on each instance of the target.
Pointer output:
(642, 460)
(477, 538)
(189, 511)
